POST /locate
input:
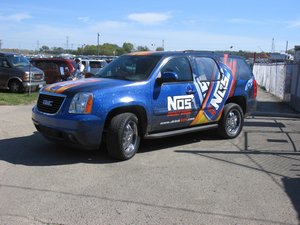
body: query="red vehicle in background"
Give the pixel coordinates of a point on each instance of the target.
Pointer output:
(55, 69)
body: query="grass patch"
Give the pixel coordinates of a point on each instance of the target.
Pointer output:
(7, 98)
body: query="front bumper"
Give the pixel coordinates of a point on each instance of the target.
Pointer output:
(81, 131)
(34, 84)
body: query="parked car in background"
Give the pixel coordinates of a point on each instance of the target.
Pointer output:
(92, 66)
(55, 69)
(18, 75)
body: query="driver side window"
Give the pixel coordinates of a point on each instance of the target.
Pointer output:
(181, 67)
(3, 63)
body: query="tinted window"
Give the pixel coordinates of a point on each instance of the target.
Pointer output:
(130, 67)
(18, 60)
(3, 62)
(243, 70)
(181, 67)
(207, 69)
(238, 67)
(40, 64)
(95, 64)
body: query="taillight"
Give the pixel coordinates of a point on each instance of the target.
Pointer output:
(254, 89)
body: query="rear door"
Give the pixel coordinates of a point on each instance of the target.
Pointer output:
(213, 83)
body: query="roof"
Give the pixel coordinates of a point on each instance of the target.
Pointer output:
(184, 53)
(51, 59)
(8, 53)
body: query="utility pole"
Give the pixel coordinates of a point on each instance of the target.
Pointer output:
(286, 46)
(0, 44)
(273, 46)
(67, 43)
(98, 35)
(153, 46)
(163, 44)
(38, 45)
(286, 50)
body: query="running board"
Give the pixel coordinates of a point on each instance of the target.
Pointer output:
(180, 131)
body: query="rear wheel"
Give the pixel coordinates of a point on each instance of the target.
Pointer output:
(15, 86)
(231, 122)
(123, 137)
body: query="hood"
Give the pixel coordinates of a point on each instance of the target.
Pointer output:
(83, 85)
(31, 69)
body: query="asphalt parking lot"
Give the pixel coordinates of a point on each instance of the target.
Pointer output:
(191, 179)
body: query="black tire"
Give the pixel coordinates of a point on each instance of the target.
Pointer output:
(89, 75)
(123, 137)
(231, 122)
(15, 86)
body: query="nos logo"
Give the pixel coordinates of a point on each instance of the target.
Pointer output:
(180, 102)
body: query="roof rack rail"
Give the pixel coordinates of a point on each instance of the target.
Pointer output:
(196, 51)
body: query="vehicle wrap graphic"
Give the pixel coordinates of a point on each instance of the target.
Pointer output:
(62, 86)
(232, 64)
(214, 95)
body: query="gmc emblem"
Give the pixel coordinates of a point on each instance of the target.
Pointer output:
(47, 102)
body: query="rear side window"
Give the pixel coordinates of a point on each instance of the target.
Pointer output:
(238, 67)
(243, 70)
(40, 64)
(95, 64)
(207, 69)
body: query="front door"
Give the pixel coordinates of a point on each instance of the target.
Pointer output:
(175, 103)
(4, 72)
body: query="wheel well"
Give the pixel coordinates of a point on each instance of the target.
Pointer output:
(14, 79)
(240, 100)
(137, 110)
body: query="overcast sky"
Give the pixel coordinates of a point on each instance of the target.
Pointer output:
(180, 25)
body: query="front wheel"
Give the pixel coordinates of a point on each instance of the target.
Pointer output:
(231, 122)
(15, 86)
(123, 137)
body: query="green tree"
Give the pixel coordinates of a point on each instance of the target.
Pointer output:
(109, 49)
(160, 49)
(57, 50)
(143, 48)
(90, 50)
(127, 47)
(44, 48)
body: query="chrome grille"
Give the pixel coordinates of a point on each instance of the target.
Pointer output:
(38, 77)
(49, 103)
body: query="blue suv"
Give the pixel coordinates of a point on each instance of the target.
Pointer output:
(148, 95)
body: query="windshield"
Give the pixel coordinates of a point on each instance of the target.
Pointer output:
(130, 67)
(18, 60)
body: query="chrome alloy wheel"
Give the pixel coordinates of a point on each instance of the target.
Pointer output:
(233, 122)
(129, 138)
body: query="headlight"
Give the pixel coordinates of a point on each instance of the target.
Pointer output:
(27, 76)
(82, 103)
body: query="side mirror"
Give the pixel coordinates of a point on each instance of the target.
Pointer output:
(168, 77)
